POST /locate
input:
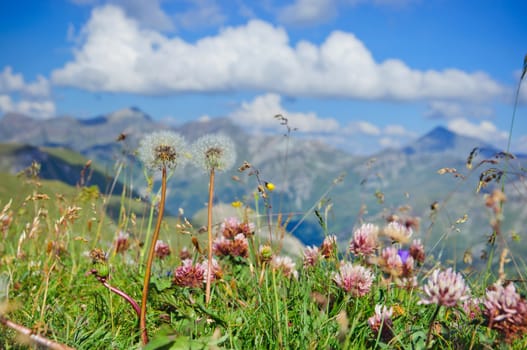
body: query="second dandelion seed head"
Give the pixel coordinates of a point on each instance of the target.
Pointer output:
(162, 149)
(214, 152)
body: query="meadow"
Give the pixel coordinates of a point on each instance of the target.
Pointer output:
(74, 276)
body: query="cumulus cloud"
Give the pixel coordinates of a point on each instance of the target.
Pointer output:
(484, 130)
(303, 12)
(259, 112)
(14, 82)
(37, 109)
(201, 13)
(362, 127)
(147, 12)
(118, 55)
(455, 110)
(16, 95)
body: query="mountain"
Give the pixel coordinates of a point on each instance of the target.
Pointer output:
(309, 175)
(55, 164)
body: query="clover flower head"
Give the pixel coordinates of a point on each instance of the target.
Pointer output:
(286, 265)
(329, 246)
(162, 149)
(391, 262)
(184, 254)
(364, 241)
(354, 279)
(122, 242)
(398, 232)
(417, 251)
(217, 272)
(506, 311)
(189, 275)
(381, 321)
(161, 249)
(445, 288)
(311, 256)
(237, 246)
(214, 151)
(230, 227)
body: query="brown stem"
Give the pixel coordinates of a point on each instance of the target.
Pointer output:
(40, 340)
(150, 258)
(209, 230)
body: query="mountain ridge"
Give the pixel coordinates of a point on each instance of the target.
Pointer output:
(310, 175)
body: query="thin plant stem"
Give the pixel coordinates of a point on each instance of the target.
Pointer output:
(150, 258)
(36, 338)
(429, 335)
(209, 232)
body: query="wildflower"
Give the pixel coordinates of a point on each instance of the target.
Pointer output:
(162, 250)
(364, 241)
(391, 262)
(398, 232)
(286, 265)
(122, 243)
(354, 279)
(270, 186)
(445, 288)
(189, 275)
(232, 226)
(97, 256)
(506, 311)
(407, 283)
(238, 246)
(311, 256)
(417, 251)
(236, 204)
(184, 254)
(472, 307)
(381, 321)
(214, 151)
(329, 246)
(162, 149)
(265, 252)
(217, 272)
(221, 246)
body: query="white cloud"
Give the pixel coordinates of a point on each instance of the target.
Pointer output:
(454, 110)
(118, 55)
(397, 130)
(485, 130)
(37, 109)
(147, 12)
(14, 83)
(259, 113)
(202, 13)
(28, 98)
(362, 127)
(303, 12)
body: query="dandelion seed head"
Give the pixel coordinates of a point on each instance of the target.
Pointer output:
(162, 149)
(214, 151)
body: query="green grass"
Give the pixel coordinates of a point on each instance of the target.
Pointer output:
(46, 285)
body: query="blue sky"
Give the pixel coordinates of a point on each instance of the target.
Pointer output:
(358, 74)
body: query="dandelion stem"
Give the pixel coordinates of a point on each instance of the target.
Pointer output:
(209, 232)
(429, 335)
(150, 258)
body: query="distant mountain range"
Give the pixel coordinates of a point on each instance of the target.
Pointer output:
(311, 176)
